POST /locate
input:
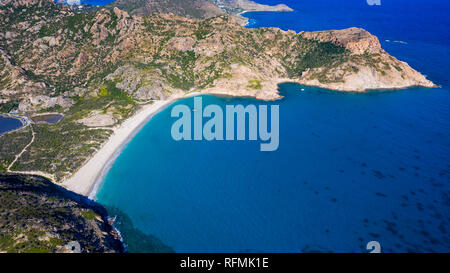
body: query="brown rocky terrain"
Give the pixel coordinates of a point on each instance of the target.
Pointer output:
(52, 54)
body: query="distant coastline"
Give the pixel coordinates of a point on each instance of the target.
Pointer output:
(250, 6)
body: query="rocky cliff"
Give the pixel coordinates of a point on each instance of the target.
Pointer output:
(38, 216)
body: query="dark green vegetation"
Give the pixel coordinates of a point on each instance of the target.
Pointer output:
(320, 54)
(57, 148)
(38, 216)
(8, 106)
(12, 144)
(254, 84)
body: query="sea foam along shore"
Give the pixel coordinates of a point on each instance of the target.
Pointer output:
(88, 178)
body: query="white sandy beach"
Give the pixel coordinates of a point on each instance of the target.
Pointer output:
(87, 179)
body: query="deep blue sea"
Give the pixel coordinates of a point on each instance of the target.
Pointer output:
(351, 168)
(8, 124)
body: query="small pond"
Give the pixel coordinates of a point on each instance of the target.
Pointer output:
(9, 124)
(47, 118)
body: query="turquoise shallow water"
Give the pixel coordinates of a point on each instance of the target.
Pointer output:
(351, 168)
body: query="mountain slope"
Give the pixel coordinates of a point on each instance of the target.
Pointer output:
(198, 9)
(58, 49)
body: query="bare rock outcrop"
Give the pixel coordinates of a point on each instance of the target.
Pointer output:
(98, 120)
(143, 85)
(40, 102)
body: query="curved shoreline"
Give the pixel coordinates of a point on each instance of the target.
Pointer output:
(87, 180)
